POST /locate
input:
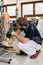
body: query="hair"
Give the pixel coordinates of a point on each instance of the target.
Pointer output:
(22, 21)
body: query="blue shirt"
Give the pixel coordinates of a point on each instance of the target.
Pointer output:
(31, 31)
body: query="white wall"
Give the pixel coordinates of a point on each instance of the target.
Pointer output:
(13, 1)
(9, 1)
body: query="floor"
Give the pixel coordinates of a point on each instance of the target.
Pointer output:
(25, 60)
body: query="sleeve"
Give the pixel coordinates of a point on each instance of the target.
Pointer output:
(37, 33)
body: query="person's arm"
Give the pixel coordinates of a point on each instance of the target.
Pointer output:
(22, 39)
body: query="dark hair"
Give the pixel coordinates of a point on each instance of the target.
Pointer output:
(22, 21)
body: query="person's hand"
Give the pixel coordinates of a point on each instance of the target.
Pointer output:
(6, 43)
(13, 33)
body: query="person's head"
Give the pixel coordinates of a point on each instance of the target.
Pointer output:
(22, 22)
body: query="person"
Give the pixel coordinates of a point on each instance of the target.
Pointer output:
(40, 26)
(31, 42)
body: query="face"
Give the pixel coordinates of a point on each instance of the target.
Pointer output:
(21, 27)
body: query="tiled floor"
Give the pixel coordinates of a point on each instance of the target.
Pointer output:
(25, 60)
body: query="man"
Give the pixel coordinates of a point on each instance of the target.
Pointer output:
(40, 26)
(31, 43)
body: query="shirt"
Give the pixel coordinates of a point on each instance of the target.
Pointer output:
(31, 31)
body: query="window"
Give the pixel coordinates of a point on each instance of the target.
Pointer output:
(32, 9)
(28, 9)
(39, 8)
(11, 9)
